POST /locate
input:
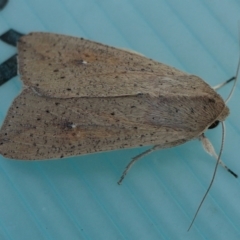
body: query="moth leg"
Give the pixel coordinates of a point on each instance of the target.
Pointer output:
(208, 147)
(136, 158)
(224, 83)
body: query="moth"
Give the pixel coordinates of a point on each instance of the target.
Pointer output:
(82, 97)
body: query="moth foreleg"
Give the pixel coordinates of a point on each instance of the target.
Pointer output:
(223, 84)
(210, 150)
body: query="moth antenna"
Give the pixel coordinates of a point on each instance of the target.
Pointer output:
(136, 158)
(235, 78)
(228, 81)
(213, 177)
(235, 82)
(237, 73)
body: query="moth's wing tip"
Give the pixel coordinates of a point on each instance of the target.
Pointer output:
(25, 37)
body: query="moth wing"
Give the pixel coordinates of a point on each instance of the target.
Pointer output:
(44, 128)
(63, 66)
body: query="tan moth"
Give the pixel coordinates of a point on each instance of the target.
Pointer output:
(83, 97)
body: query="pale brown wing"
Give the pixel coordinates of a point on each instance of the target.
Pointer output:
(39, 127)
(63, 66)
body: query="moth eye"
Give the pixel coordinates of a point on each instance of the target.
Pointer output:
(215, 124)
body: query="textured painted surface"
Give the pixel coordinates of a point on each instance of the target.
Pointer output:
(78, 197)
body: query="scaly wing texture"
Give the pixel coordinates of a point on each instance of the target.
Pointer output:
(39, 127)
(62, 66)
(85, 97)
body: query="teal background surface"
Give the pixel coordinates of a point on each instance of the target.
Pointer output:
(78, 197)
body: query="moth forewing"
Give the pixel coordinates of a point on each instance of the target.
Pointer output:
(83, 68)
(40, 127)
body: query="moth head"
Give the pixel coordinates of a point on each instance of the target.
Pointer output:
(220, 118)
(225, 111)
